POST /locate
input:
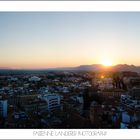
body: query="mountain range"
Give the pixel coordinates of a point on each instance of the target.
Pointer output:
(100, 67)
(93, 67)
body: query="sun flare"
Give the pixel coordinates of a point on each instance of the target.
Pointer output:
(106, 62)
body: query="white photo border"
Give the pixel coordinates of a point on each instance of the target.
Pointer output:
(69, 6)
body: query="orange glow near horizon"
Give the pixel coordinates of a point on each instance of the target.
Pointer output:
(37, 65)
(44, 64)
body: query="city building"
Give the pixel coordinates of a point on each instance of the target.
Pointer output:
(103, 83)
(135, 92)
(3, 108)
(95, 114)
(53, 101)
(130, 112)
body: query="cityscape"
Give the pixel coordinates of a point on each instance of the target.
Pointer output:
(69, 70)
(69, 99)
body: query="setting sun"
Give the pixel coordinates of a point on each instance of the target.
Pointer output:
(106, 62)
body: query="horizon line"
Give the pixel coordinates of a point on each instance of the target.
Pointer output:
(65, 67)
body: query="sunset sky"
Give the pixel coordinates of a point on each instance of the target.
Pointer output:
(60, 39)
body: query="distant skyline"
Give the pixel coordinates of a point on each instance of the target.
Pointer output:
(68, 39)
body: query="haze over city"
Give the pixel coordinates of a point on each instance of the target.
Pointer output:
(67, 39)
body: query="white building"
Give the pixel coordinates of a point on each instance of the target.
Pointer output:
(3, 108)
(53, 101)
(13, 79)
(34, 78)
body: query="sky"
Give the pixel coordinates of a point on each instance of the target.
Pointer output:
(67, 39)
